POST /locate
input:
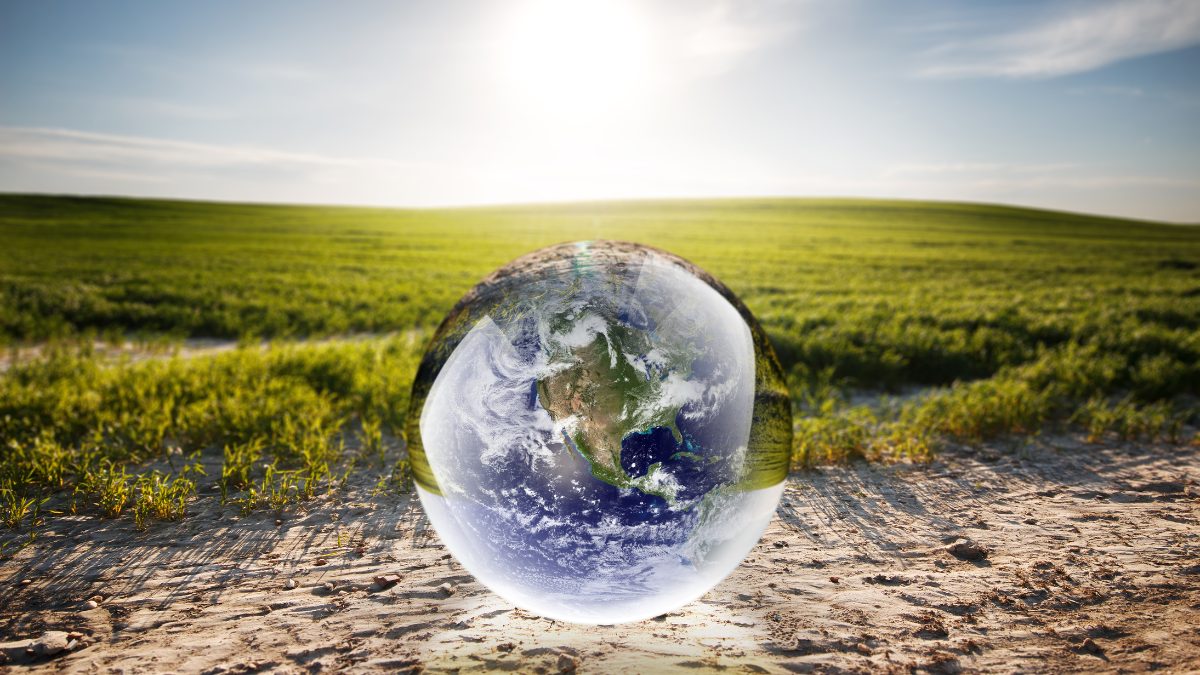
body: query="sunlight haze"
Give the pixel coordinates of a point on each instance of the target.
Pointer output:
(1085, 106)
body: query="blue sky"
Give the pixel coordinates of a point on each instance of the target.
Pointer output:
(1088, 105)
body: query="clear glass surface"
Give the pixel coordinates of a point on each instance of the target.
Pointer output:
(599, 432)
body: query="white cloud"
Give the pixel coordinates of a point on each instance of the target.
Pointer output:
(72, 161)
(68, 160)
(988, 178)
(711, 38)
(104, 174)
(1096, 35)
(727, 29)
(962, 168)
(69, 145)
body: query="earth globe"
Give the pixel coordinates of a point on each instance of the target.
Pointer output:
(599, 432)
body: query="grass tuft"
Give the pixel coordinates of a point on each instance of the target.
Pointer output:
(985, 321)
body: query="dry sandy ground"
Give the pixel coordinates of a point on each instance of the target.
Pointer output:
(1094, 565)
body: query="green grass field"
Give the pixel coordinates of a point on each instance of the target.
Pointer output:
(1003, 321)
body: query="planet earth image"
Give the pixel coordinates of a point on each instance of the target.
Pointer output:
(599, 432)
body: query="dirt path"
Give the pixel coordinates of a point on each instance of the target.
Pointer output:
(1094, 565)
(132, 351)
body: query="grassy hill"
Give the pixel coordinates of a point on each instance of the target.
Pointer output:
(1015, 317)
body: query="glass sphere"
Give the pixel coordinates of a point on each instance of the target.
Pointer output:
(599, 432)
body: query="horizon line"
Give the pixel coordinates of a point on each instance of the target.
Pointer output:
(466, 206)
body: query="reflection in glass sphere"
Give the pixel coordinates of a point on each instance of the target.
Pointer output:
(599, 432)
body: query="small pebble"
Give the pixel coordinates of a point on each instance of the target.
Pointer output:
(965, 549)
(447, 589)
(91, 604)
(385, 581)
(290, 584)
(567, 663)
(52, 642)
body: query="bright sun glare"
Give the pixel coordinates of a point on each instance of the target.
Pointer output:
(579, 58)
